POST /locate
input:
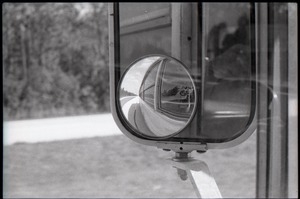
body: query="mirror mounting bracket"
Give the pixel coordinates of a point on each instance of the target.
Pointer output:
(182, 147)
(198, 173)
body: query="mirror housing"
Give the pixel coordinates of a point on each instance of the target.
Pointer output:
(174, 141)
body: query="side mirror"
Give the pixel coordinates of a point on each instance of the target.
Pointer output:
(206, 97)
(157, 96)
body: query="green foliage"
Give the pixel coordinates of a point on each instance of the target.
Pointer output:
(55, 59)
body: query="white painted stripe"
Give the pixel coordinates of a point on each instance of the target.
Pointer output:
(45, 130)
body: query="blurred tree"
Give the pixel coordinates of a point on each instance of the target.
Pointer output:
(55, 59)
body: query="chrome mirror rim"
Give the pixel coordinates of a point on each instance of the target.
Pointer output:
(123, 119)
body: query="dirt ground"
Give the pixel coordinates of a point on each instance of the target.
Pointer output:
(116, 167)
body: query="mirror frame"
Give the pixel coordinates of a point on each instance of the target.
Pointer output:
(177, 146)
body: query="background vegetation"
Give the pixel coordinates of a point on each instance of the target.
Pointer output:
(55, 59)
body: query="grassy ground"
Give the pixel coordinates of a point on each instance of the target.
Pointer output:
(115, 166)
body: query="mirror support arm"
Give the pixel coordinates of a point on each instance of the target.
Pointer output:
(198, 172)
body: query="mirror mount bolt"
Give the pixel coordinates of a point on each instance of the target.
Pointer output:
(182, 157)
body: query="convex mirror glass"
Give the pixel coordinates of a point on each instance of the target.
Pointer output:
(157, 96)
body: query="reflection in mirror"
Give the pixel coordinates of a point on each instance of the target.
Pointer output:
(228, 98)
(157, 96)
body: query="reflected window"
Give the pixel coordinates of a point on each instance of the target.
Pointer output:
(176, 92)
